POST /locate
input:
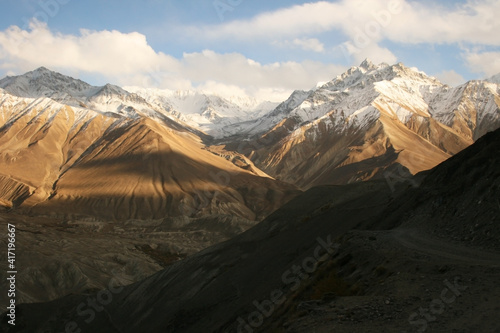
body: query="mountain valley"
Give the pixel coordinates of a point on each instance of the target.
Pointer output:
(358, 257)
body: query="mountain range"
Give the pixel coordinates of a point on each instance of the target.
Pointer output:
(136, 160)
(150, 153)
(203, 204)
(371, 121)
(361, 257)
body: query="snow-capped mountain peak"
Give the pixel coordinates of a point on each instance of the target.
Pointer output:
(380, 113)
(43, 82)
(40, 71)
(368, 65)
(110, 89)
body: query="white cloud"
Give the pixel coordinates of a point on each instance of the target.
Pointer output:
(292, 21)
(356, 54)
(474, 22)
(450, 77)
(362, 22)
(366, 24)
(397, 20)
(306, 44)
(128, 59)
(487, 63)
(309, 44)
(110, 52)
(236, 69)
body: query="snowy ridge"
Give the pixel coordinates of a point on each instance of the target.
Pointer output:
(110, 100)
(398, 91)
(45, 83)
(367, 119)
(351, 92)
(474, 105)
(14, 108)
(209, 113)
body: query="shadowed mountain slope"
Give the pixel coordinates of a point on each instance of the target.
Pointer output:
(334, 251)
(71, 149)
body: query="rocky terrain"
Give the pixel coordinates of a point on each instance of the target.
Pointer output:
(420, 255)
(61, 257)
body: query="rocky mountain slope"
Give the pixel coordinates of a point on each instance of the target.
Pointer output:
(70, 149)
(369, 122)
(364, 257)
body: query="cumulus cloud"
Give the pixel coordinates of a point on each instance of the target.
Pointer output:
(128, 59)
(110, 52)
(239, 70)
(275, 94)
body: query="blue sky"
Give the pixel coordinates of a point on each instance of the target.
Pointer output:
(255, 47)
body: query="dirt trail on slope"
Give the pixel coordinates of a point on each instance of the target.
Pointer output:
(423, 243)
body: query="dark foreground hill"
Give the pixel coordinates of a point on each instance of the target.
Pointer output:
(395, 255)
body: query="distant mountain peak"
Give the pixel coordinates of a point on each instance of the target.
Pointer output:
(43, 69)
(111, 89)
(367, 64)
(368, 73)
(45, 72)
(42, 82)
